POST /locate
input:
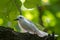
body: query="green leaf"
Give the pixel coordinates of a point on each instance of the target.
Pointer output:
(9, 11)
(32, 3)
(54, 2)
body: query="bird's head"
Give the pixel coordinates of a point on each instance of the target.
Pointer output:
(20, 17)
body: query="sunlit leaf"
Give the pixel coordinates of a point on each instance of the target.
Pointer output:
(45, 2)
(1, 21)
(29, 15)
(49, 19)
(58, 14)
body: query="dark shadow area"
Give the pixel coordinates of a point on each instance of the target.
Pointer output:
(10, 34)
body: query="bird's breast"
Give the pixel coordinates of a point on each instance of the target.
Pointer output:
(26, 26)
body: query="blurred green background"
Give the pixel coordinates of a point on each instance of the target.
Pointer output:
(45, 13)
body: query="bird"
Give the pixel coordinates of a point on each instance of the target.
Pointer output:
(28, 26)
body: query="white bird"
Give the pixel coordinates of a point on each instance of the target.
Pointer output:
(28, 26)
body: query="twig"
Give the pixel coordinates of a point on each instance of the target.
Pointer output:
(18, 7)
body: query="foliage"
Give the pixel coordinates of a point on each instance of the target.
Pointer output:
(10, 9)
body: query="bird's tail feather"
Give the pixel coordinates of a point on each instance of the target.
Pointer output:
(41, 33)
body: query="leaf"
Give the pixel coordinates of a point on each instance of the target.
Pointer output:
(54, 6)
(9, 11)
(32, 3)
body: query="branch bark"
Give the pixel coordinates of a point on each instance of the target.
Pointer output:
(41, 11)
(10, 34)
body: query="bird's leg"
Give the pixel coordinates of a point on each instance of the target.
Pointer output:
(34, 32)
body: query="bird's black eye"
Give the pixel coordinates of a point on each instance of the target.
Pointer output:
(20, 17)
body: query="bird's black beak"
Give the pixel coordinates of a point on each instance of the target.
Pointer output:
(16, 19)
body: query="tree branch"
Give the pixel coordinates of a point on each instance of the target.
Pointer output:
(41, 10)
(10, 34)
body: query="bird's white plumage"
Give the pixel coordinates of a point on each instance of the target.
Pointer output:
(28, 26)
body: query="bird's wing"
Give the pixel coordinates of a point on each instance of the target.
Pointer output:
(32, 25)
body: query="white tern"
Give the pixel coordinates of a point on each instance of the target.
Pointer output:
(28, 26)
